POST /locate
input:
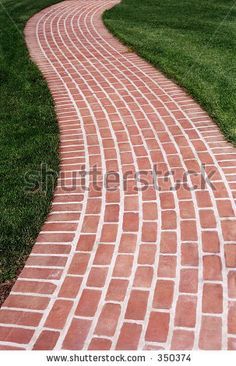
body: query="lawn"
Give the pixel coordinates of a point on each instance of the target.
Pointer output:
(28, 137)
(191, 41)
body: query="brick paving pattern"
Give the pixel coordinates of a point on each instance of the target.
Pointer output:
(125, 268)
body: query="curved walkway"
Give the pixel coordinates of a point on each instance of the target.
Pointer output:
(116, 267)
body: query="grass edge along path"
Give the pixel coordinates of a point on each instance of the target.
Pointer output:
(29, 137)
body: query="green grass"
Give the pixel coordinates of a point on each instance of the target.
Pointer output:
(28, 137)
(191, 41)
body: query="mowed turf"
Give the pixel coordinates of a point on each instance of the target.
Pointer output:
(191, 41)
(28, 138)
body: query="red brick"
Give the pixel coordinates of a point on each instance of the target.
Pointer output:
(129, 337)
(131, 203)
(188, 231)
(192, 165)
(230, 255)
(229, 230)
(168, 242)
(168, 220)
(97, 277)
(79, 264)
(207, 219)
(117, 290)
(182, 141)
(100, 344)
(143, 163)
(210, 242)
(90, 224)
(66, 207)
(34, 287)
(163, 295)
(137, 305)
(131, 222)
(128, 243)
(77, 334)
(143, 277)
(112, 213)
(206, 159)
(186, 210)
(231, 344)
(11, 348)
(225, 208)
(182, 340)
(93, 206)
(73, 216)
(88, 303)
(158, 327)
(86, 243)
(51, 249)
(26, 318)
(182, 193)
(167, 266)
(232, 318)
(109, 233)
(16, 335)
(212, 301)
(210, 334)
(232, 284)
(27, 302)
(199, 145)
(48, 261)
(55, 238)
(58, 314)
(51, 226)
(149, 211)
(111, 165)
(70, 287)
(149, 232)
(188, 280)
(189, 254)
(46, 340)
(104, 254)
(41, 273)
(123, 266)
(149, 194)
(147, 254)
(167, 200)
(108, 319)
(203, 199)
(130, 187)
(186, 311)
(212, 268)
(152, 347)
(126, 158)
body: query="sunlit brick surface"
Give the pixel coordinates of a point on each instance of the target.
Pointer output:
(125, 269)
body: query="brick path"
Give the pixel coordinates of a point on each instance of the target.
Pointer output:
(125, 269)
